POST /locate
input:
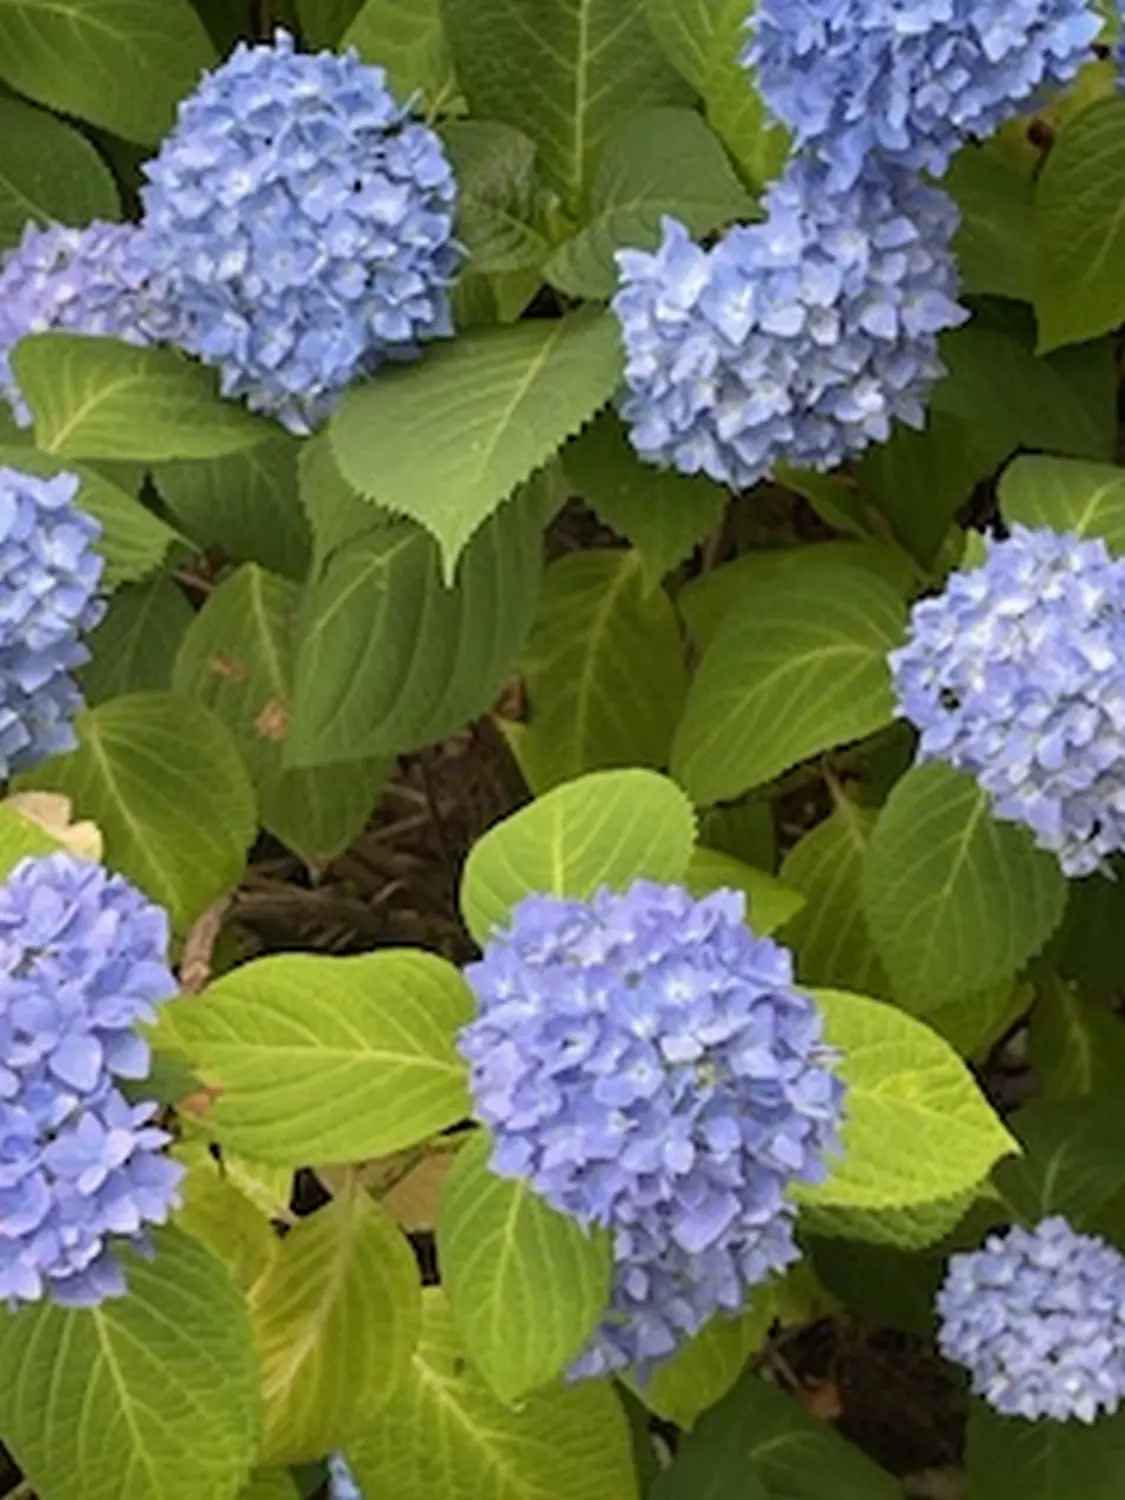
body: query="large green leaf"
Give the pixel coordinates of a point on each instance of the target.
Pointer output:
(1010, 1459)
(336, 1318)
(996, 241)
(246, 503)
(917, 1129)
(1072, 1163)
(830, 935)
(272, 1484)
(405, 37)
(705, 1368)
(664, 514)
(562, 71)
(48, 173)
(1076, 1045)
(956, 901)
(603, 671)
(100, 398)
(122, 64)
(496, 194)
(445, 1434)
(391, 658)
(799, 667)
(656, 162)
(1066, 494)
(336, 512)
(164, 781)
(609, 828)
(323, 22)
(153, 1396)
(1080, 228)
(134, 649)
(760, 1444)
(526, 1285)
(447, 439)
(238, 658)
(769, 902)
(369, 1068)
(220, 1216)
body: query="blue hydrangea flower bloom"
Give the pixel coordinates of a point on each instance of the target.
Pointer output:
(92, 281)
(83, 959)
(49, 573)
(909, 81)
(801, 339)
(645, 1062)
(342, 1483)
(301, 226)
(1038, 1318)
(1016, 674)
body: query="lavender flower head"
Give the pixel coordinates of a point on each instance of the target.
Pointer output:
(301, 226)
(645, 1063)
(342, 1483)
(909, 81)
(83, 959)
(1038, 1318)
(49, 573)
(92, 281)
(799, 339)
(1016, 674)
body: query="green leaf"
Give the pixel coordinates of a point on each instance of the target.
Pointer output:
(1080, 229)
(238, 658)
(133, 541)
(497, 200)
(526, 1285)
(910, 1227)
(445, 1434)
(830, 936)
(122, 64)
(48, 173)
(956, 901)
(1066, 495)
(1076, 1045)
(973, 1024)
(744, 830)
(223, 1219)
(390, 658)
(246, 503)
(655, 162)
(272, 1484)
(609, 828)
(21, 838)
(562, 71)
(761, 1444)
(447, 439)
(603, 671)
(100, 398)
(799, 667)
(336, 1317)
(153, 1395)
(134, 649)
(707, 1366)
(323, 22)
(336, 513)
(1071, 1164)
(769, 903)
(164, 782)
(996, 241)
(367, 1070)
(917, 1129)
(704, 40)
(664, 514)
(1009, 1459)
(405, 37)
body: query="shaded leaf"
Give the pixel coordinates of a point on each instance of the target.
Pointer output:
(134, 649)
(1009, 1459)
(406, 38)
(48, 173)
(1066, 495)
(770, 903)
(497, 201)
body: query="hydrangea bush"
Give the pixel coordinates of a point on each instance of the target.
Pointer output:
(562, 749)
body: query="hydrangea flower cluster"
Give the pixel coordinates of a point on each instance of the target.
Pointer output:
(342, 1483)
(909, 81)
(1038, 1318)
(83, 959)
(92, 281)
(301, 226)
(1016, 674)
(645, 1062)
(49, 574)
(801, 338)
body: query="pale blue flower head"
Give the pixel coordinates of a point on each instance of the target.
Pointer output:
(907, 82)
(49, 576)
(1038, 1319)
(83, 961)
(1016, 674)
(301, 227)
(646, 1064)
(801, 339)
(92, 281)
